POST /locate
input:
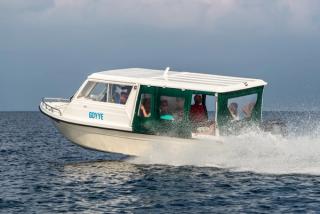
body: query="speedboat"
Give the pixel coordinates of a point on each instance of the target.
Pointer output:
(128, 110)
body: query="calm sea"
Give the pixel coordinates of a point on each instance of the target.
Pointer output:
(41, 172)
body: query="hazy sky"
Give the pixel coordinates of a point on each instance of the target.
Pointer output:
(48, 47)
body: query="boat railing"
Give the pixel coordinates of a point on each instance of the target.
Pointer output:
(51, 108)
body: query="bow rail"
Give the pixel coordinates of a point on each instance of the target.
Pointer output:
(51, 108)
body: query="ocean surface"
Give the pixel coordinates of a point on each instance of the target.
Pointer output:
(42, 172)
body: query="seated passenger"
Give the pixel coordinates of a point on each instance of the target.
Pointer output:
(145, 107)
(233, 110)
(164, 111)
(114, 94)
(198, 112)
(123, 98)
(179, 111)
(247, 110)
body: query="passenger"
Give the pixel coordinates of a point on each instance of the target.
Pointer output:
(115, 94)
(145, 107)
(198, 112)
(164, 111)
(123, 98)
(233, 109)
(179, 111)
(247, 110)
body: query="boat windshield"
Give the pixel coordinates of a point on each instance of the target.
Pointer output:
(106, 92)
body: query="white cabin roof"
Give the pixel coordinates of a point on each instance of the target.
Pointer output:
(180, 80)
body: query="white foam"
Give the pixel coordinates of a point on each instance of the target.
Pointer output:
(255, 152)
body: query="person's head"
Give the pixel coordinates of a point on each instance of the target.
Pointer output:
(233, 108)
(164, 107)
(123, 97)
(180, 103)
(198, 99)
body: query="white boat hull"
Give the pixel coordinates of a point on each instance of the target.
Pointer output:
(121, 141)
(107, 140)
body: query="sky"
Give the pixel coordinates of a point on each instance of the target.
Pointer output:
(49, 47)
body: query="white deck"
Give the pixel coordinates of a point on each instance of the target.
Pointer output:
(182, 80)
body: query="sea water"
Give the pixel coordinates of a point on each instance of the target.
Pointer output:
(256, 172)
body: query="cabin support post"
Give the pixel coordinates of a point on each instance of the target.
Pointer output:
(216, 116)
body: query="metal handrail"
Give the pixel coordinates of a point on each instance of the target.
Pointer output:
(50, 107)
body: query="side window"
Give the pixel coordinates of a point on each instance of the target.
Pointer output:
(242, 107)
(145, 106)
(118, 93)
(171, 108)
(98, 92)
(202, 114)
(203, 108)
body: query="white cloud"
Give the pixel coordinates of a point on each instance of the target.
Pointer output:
(301, 14)
(251, 37)
(297, 15)
(159, 13)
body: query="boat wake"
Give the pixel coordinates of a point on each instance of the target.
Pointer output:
(254, 152)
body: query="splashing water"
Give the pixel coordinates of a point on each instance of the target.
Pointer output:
(259, 152)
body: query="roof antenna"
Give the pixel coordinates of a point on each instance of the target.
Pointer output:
(165, 74)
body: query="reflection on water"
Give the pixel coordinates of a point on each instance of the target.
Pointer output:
(104, 171)
(101, 180)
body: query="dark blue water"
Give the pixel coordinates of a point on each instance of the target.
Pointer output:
(41, 172)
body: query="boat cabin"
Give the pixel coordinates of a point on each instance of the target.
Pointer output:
(164, 102)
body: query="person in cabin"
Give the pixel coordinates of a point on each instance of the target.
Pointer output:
(114, 94)
(145, 107)
(179, 111)
(123, 98)
(247, 110)
(233, 110)
(198, 112)
(164, 111)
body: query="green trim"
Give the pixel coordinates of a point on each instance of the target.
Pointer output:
(141, 124)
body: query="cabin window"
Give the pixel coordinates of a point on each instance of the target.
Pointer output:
(98, 92)
(86, 90)
(242, 107)
(171, 108)
(118, 93)
(202, 113)
(104, 92)
(145, 106)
